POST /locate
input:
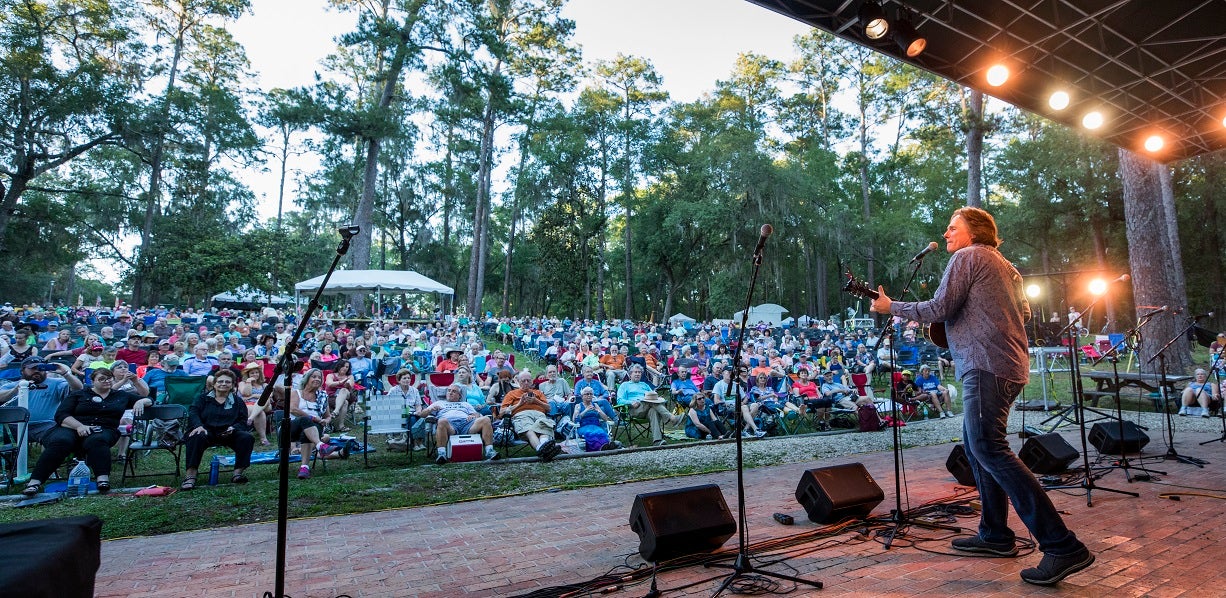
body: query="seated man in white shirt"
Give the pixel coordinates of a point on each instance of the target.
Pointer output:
(457, 416)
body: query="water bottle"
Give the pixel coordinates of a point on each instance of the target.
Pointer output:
(924, 410)
(78, 480)
(214, 470)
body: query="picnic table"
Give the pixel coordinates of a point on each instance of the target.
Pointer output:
(1105, 385)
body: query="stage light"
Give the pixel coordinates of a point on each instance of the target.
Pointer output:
(1224, 121)
(1058, 100)
(908, 39)
(1033, 291)
(1098, 286)
(872, 18)
(1154, 143)
(1092, 120)
(997, 75)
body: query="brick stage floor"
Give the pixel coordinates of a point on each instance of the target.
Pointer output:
(1147, 546)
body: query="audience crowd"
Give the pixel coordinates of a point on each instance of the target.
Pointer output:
(91, 372)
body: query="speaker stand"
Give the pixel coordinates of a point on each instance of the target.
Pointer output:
(742, 566)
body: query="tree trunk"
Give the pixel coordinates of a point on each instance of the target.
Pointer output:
(1149, 257)
(481, 234)
(1179, 283)
(974, 150)
(153, 199)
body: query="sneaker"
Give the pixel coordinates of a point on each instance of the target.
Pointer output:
(1053, 568)
(660, 442)
(441, 458)
(304, 473)
(1183, 410)
(491, 454)
(975, 544)
(944, 415)
(759, 434)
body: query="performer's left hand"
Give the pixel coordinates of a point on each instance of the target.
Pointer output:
(882, 303)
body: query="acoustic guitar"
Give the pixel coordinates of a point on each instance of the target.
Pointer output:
(858, 288)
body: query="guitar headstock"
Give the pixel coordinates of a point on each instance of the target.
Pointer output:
(858, 288)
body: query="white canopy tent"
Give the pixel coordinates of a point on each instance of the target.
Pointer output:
(246, 294)
(680, 317)
(767, 312)
(375, 281)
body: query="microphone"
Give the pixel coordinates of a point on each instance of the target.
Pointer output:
(1123, 278)
(1152, 313)
(765, 232)
(932, 246)
(1207, 314)
(349, 231)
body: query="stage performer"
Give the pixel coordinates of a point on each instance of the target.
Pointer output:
(981, 302)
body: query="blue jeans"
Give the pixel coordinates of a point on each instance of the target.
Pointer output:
(1000, 475)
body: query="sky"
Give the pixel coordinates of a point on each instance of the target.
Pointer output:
(691, 43)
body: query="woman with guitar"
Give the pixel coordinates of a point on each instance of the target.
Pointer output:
(984, 309)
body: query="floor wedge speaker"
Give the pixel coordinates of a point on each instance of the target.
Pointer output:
(1048, 453)
(1106, 438)
(831, 494)
(958, 465)
(673, 523)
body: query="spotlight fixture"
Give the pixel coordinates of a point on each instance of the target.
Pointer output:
(1033, 290)
(1059, 100)
(1098, 286)
(872, 18)
(997, 75)
(1154, 143)
(1224, 121)
(908, 39)
(1092, 120)
(349, 231)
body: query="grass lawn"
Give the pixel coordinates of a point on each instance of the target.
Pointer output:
(347, 487)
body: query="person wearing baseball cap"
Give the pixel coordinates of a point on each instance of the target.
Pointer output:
(46, 393)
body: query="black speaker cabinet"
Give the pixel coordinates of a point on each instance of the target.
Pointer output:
(52, 557)
(673, 523)
(957, 464)
(831, 494)
(1048, 453)
(1106, 438)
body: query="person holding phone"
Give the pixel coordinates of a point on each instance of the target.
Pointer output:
(46, 393)
(89, 423)
(218, 418)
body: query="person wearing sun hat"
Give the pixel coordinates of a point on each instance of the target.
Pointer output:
(453, 359)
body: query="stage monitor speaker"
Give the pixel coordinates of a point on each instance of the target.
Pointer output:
(1106, 438)
(958, 465)
(1048, 453)
(831, 494)
(51, 557)
(674, 523)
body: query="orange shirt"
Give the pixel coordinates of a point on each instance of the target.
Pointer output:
(541, 404)
(651, 361)
(614, 362)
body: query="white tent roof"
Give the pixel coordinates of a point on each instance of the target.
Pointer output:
(376, 281)
(680, 317)
(246, 294)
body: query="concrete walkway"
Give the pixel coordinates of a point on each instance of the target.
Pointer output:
(1147, 546)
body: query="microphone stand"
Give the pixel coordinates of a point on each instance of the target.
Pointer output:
(1078, 410)
(285, 367)
(1217, 377)
(1131, 338)
(898, 518)
(743, 566)
(1171, 454)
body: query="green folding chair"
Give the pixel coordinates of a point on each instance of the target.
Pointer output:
(183, 390)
